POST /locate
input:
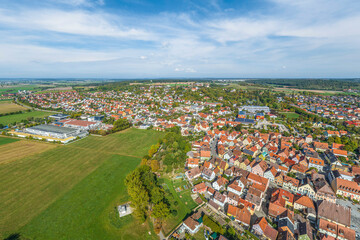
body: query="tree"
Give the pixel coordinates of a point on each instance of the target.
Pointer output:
(154, 165)
(160, 210)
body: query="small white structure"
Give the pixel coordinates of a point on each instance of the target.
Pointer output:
(124, 209)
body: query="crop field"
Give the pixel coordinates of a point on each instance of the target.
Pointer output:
(42, 196)
(5, 140)
(15, 149)
(8, 107)
(9, 119)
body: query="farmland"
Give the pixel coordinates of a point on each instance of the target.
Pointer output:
(4, 140)
(79, 182)
(8, 107)
(16, 149)
(9, 119)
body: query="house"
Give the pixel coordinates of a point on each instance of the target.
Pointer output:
(205, 155)
(286, 222)
(235, 188)
(316, 163)
(262, 228)
(220, 183)
(335, 220)
(279, 201)
(200, 188)
(323, 190)
(193, 173)
(192, 225)
(306, 188)
(339, 153)
(220, 199)
(304, 202)
(192, 162)
(291, 183)
(345, 188)
(308, 139)
(208, 174)
(319, 146)
(239, 214)
(270, 174)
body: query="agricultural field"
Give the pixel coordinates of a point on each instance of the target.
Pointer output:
(291, 115)
(5, 140)
(17, 149)
(73, 184)
(181, 201)
(15, 89)
(10, 119)
(9, 107)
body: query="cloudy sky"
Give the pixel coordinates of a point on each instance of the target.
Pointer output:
(179, 38)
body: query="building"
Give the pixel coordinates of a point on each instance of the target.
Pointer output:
(80, 124)
(346, 188)
(58, 117)
(51, 133)
(254, 109)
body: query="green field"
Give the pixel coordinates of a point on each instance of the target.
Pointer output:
(44, 195)
(4, 140)
(10, 119)
(184, 203)
(15, 89)
(291, 115)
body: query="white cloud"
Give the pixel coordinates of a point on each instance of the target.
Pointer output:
(72, 22)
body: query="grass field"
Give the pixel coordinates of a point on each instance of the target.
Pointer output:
(5, 140)
(14, 89)
(42, 195)
(19, 149)
(291, 115)
(9, 119)
(8, 107)
(184, 203)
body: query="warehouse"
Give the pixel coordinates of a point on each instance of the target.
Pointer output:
(54, 131)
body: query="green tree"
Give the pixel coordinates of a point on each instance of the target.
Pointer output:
(160, 210)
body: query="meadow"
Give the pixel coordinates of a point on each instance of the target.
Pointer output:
(291, 115)
(69, 192)
(9, 107)
(5, 140)
(10, 119)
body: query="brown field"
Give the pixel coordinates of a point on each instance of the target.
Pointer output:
(17, 150)
(8, 107)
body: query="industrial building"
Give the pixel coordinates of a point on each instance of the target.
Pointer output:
(254, 109)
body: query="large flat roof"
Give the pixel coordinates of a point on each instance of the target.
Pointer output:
(52, 128)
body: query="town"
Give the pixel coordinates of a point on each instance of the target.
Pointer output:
(265, 165)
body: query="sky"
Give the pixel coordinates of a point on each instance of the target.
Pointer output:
(179, 38)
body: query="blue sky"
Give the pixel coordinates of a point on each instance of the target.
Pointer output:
(179, 38)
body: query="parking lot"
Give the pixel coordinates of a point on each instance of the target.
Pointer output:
(355, 215)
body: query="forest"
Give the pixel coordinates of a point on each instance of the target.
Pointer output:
(315, 84)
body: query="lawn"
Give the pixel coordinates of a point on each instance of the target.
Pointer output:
(5, 140)
(291, 115)
(9, 119)
(71, 184)
(180, 201)
(8, 107)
